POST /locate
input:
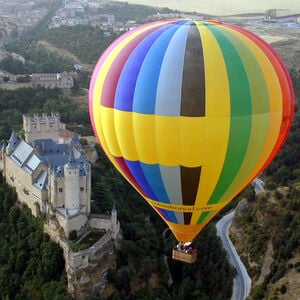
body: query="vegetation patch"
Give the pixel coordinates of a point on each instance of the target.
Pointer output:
(88, 241)
(31, 265)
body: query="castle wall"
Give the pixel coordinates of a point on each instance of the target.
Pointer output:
(104, 222)
(71, 223)
(21, 180)
(85, 191)
(99, 223)
(40, 197)
(85, 269)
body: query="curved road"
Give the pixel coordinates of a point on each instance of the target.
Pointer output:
(242, 281)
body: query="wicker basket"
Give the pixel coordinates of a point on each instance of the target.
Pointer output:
(184, 256)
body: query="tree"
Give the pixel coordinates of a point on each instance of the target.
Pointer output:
(28, 259)
(73, 235)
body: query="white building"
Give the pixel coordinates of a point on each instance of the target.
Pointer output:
(59, 80)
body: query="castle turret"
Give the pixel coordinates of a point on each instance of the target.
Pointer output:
(75, 141)
(71, 174)
(114, 221)
(12, 143)
(2, 157)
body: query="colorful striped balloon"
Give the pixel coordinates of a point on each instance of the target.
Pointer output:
(190, 112)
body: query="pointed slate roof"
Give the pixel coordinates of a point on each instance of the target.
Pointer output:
(75, 139)
(13, 142)
(72, 163)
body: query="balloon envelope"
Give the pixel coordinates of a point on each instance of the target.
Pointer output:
(190, 112)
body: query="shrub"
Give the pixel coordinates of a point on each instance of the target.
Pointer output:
(73, 235)
(283, 289)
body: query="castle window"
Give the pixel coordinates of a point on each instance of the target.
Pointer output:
(81, 189)
(60, 190)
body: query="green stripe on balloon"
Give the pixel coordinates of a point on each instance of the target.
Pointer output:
(260, 111)
(240, 118)
(203, 217)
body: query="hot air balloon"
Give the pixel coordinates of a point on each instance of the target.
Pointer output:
(190, 112)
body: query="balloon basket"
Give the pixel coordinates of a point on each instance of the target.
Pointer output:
(187, 257)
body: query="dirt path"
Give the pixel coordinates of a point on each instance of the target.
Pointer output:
(63, 52)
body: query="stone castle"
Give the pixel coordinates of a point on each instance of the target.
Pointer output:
(53, 178)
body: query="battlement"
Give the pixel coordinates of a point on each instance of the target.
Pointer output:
(38, 126)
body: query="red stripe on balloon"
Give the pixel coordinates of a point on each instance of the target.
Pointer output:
(123, 166)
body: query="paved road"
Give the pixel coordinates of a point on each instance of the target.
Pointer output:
(242, 281)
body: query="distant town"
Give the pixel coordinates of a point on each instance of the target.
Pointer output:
(16, 17)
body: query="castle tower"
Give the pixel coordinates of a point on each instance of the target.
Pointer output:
(72, 191)
(39, 126)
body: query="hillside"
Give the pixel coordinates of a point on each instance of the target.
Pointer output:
(266, 231)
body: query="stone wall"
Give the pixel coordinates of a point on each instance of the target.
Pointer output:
(21, 181)
(100, 222)
(37, 127)
(70, 223)
(86, 270)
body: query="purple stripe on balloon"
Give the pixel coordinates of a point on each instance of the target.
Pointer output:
(127, 81)
(167, 215)
(138, 174)
(112, 78)
(122, 164)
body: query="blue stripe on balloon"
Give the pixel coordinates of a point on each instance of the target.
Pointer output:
(168, 98)
(127, 81)
(171, 177)
(167, 215)
(146, 84)
(153, 176)
(137, 172)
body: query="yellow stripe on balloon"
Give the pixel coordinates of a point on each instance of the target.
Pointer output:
(217, 113)
(184, 208)
(145, 137)
(152, 139)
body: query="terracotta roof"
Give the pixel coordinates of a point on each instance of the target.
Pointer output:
(65, 133)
